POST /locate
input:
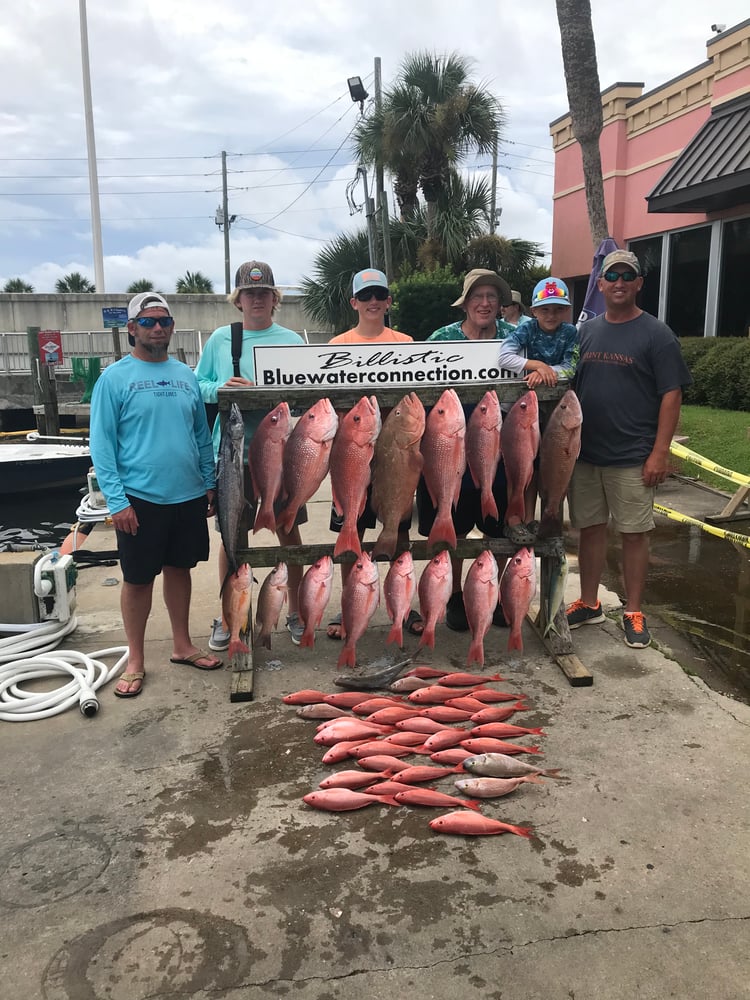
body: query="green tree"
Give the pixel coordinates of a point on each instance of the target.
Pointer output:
(326, 295)
(17, 285)
(194, 283)
(141, 285)
(585, 103)
(426, 125)
(74, 282)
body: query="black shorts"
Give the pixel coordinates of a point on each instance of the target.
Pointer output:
(174, 534)
(368, 518)
(468, 511)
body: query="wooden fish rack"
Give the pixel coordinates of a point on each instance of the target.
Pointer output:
(551, 551)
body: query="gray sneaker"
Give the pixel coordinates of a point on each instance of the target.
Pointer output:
(219, 639)
(579, 614)
(637, 634)
(295, 628)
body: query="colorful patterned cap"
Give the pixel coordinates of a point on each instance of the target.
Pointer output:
(550, 292)
(254, 274)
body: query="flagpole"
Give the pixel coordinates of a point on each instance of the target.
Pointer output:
(96, 222)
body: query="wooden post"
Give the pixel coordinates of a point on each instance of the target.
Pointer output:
(116, 342)
(43, 385)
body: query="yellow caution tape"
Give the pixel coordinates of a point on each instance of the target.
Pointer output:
(731, 536)
(680, 451)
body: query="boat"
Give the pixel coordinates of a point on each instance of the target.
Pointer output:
(30, 466)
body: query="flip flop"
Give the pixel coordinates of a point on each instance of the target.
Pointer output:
(192, 660)
(412, 619)
(129, 679)
(336, 622)
(519, 534)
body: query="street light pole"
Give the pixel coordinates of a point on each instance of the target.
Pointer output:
(96, 222)
(225, 211)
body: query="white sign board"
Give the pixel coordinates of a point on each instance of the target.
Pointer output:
(350, 365)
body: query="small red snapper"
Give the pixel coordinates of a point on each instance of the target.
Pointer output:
(483, 448)
(351, 457)
(314, 595)
(235, 606)
(471, 824)
(517, 588)
(307, 455)
(431, 798)
(481, 589)
(399, 587)
(265, 461)
(520, 446)
(444, 449)
(435, 587)
(360, 598)
(342, 799)
(273, 594)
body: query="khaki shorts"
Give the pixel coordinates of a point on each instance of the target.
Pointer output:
(598, 492)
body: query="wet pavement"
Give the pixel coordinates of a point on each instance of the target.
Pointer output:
(162, 849)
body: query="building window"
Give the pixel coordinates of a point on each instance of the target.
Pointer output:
(688, 281)
(734, 304)
(648, 252)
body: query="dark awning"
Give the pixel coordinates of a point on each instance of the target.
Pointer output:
(713, 171)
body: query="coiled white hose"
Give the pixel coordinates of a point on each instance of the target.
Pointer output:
(28, 656)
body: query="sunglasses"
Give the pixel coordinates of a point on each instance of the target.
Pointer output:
(381, 294)
(150, 321)
(613, 276)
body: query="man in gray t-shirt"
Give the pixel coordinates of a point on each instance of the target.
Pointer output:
(629, 379)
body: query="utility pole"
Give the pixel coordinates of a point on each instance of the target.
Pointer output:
(381, 198)
(96, 222)
(370, 216)
(223, 218)
(493, 196)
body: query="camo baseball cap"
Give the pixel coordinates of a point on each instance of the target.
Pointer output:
(254, 274)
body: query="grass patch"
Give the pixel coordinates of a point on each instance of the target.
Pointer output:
(721, 436)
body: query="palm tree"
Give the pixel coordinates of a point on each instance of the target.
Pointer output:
(194, 283)
(585, 103)
(326, 296)
(426, 125)
(17, 285)
(74, 282)
(141, 285)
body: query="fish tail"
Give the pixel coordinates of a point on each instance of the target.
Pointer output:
(514, 640)
(443, 530)
(551, 772)
(348, 540)
(308, 637)
(428, 636)
(474, 804)
(385, 544)
(489, 505)
(237, 646)
(347, 656)
(396, 634)
(521, 831)
(534, 779)
(265, 518)
(476, 652)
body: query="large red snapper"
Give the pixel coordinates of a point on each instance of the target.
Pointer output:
(343, 799)
(471, 824)
(483, 744)
(483, 448)
(481, 589)
(444, 450)
(235, 606)
(397, 465)
(313, 596)
(517, 588)
(493, 788)
(432, 798)
(265, 460)
(561, 443)
(306, 459)
(520, 446)
(273, 594)
(398, 589)
(435, 587)
(359, 599)
(351, 456)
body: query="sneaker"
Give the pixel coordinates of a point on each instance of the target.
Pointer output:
(455, 613)
(219, 639)
(295, 628)
(579, 614)
(637, 634)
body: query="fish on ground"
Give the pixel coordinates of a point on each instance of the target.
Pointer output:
(373, 680)
(340, 751)
(348, 729)
(306, 696)
(483, 449)
(501, 765)
(265, 460)
(235, 607)
(444, 713)
(438, 694)
(382, 762)
(313, 597)
(467, 703)
(517, 589)
(419, 724)
(453, 755)
(321, 710)
(397, 466)
(498, 713)
(373, 703)
(503, 730)
(520, 447)
(444, 450)
(493, 788)
(407, 739)
(432, 798)
(461, 679)
(483, 744)
(230, 484)
(481, 588)
(405, 685)
(389, 787)
(471, 824)
(489, 696)
(399, 587)
(378, 747)
(427, 673)
(342, 799)
(353, 779)
(360, 598)
(435, 588)
(351, 457)
(346, 699)
(558, 451)
(417, 774)
(273, 594)
(306, 459)
(445, 738)
(392, 714)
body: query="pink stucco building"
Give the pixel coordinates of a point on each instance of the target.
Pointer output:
(676, 167)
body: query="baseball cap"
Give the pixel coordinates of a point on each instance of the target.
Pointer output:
(550, 292)
(369, 278)
(515, 297)
(621, 257)
(254, 274)
(145, 300)
(481, 276)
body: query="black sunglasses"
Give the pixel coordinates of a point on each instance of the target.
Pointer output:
(613, 276)
(150, 321)
(379, 293)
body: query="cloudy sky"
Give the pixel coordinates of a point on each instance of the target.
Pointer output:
(175, 83)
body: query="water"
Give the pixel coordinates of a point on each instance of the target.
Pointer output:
(36, 518)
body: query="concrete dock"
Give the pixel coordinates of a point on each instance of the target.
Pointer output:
(162, 850)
